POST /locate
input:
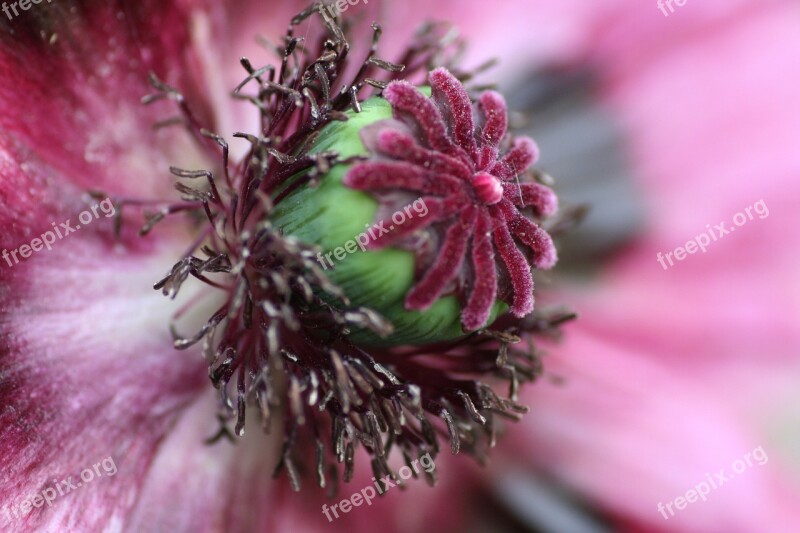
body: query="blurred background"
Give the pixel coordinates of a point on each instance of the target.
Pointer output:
(665, 125)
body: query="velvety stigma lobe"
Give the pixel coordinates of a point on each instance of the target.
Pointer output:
(483, 212)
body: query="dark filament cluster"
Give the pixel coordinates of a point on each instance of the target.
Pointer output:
(278, 345)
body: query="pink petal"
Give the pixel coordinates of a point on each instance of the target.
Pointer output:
(716, 332)
(603, 426)
(61, 58)
(89, 374)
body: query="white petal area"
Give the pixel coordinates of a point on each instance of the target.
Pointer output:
(192, 486)
(88, 372)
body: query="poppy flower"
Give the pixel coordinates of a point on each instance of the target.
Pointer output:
(283, 341)
(668, 376)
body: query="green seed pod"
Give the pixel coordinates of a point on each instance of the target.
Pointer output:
(334, 216)
(471, 207)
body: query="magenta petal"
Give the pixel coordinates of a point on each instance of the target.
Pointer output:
(94, 60)
(447, 264)
(518, 270)
(450, 93)
(542, 199)
(522, 155)
(484, 291)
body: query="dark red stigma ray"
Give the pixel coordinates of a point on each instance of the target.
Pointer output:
(449, 153)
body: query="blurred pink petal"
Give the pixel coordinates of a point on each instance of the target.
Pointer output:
(673, 374)
(88, 371)
(85, 378)
(629, 433)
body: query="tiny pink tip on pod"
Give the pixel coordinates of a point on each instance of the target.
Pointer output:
(488, 188)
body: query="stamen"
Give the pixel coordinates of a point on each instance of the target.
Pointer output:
(282, 341)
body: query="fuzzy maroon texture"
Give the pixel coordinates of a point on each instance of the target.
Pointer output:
(458, 159)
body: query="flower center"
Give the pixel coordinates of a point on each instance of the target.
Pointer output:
(488, 188)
